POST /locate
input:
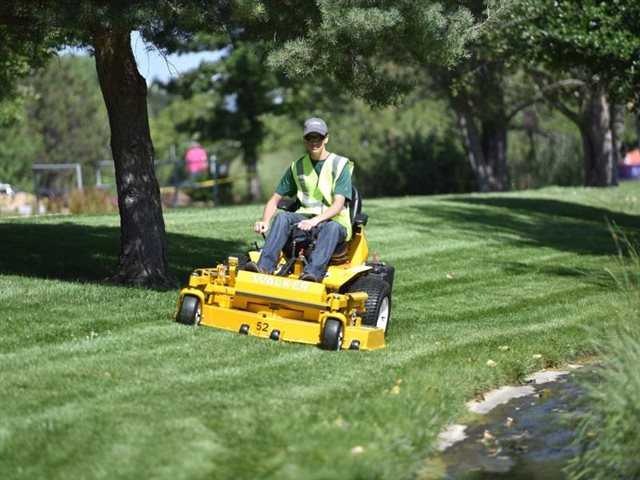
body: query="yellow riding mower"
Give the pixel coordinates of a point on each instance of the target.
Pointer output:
(350, 308)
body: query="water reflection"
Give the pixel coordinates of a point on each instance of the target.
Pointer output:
(527, 438)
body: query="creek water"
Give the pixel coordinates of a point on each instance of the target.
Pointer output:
(529, 437)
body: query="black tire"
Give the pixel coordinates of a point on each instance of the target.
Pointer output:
(378, 305)
(190, 310)
(332, 335)
(386, 272)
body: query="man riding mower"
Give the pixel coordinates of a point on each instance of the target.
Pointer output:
(350, 308)
(311, 282)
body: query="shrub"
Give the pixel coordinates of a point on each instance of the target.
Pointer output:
(92, 200)
(607, 434)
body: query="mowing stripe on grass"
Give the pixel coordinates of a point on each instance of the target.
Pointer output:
(99, 382)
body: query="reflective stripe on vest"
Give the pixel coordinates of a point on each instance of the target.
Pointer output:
(316, 192)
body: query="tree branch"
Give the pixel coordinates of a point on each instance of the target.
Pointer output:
(549, 95)
(493, 14)
(542, 93)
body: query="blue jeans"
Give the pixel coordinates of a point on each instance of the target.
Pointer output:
(330, 234)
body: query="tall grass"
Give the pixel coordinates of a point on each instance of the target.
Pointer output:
(98, 382)
(608, 432)
(628, 256)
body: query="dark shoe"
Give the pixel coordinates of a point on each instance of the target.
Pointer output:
(308, 277)
(254, 267)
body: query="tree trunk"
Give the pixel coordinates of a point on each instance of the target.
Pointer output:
(617, 130)
(473, 148)
(142, 259)
(638, 125)
(486, 151)
(600, 167)
(253, 135)
(254, 192)
(494, 144)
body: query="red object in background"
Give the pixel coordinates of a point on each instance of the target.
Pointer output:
(632, 157)
(196, 158)
(630, 168)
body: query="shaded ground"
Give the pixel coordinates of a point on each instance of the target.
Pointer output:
(75, 252)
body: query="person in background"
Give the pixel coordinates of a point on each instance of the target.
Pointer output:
(321, 181)
(196, 160)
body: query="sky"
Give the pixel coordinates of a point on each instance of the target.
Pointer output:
(153, 66)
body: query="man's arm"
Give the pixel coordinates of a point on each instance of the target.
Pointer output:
(261, 226)
(332, 211)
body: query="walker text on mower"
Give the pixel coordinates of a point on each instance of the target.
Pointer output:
(350, 308)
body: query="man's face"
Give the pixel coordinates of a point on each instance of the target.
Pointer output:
(315, 142)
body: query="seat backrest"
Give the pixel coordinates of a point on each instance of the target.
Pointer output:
(355, 210)
(355, 205)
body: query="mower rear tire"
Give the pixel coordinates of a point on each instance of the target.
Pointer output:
(378, 305)
(190, 310)
(332, 335)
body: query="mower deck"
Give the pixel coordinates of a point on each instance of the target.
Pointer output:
(279, 308)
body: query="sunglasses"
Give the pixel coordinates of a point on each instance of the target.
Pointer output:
(314, 138)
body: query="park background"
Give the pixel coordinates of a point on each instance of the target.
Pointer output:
(488, 139)
(511, 112)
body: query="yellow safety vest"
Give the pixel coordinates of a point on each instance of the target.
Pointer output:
(316, 192)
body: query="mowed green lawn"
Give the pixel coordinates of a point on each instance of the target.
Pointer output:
(99, 382)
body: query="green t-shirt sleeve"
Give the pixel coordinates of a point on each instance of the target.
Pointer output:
(287, 185)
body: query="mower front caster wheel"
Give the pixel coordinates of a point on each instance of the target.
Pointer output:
(190, 310)
(332, 335)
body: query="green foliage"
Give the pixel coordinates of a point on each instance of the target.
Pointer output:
(19, 147)
(225, 103)
(73, 126)
(98, 381)
(165, 122)
(609, 431)
(44, 126)
(607, 434)
(400, 151)
(486, 91)
(396, 150)
(600, 38)
(164, 23)
(629, 260)
(230, 97)
(357, 42)
(241, 89)
(19, 52)
(544, 149)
